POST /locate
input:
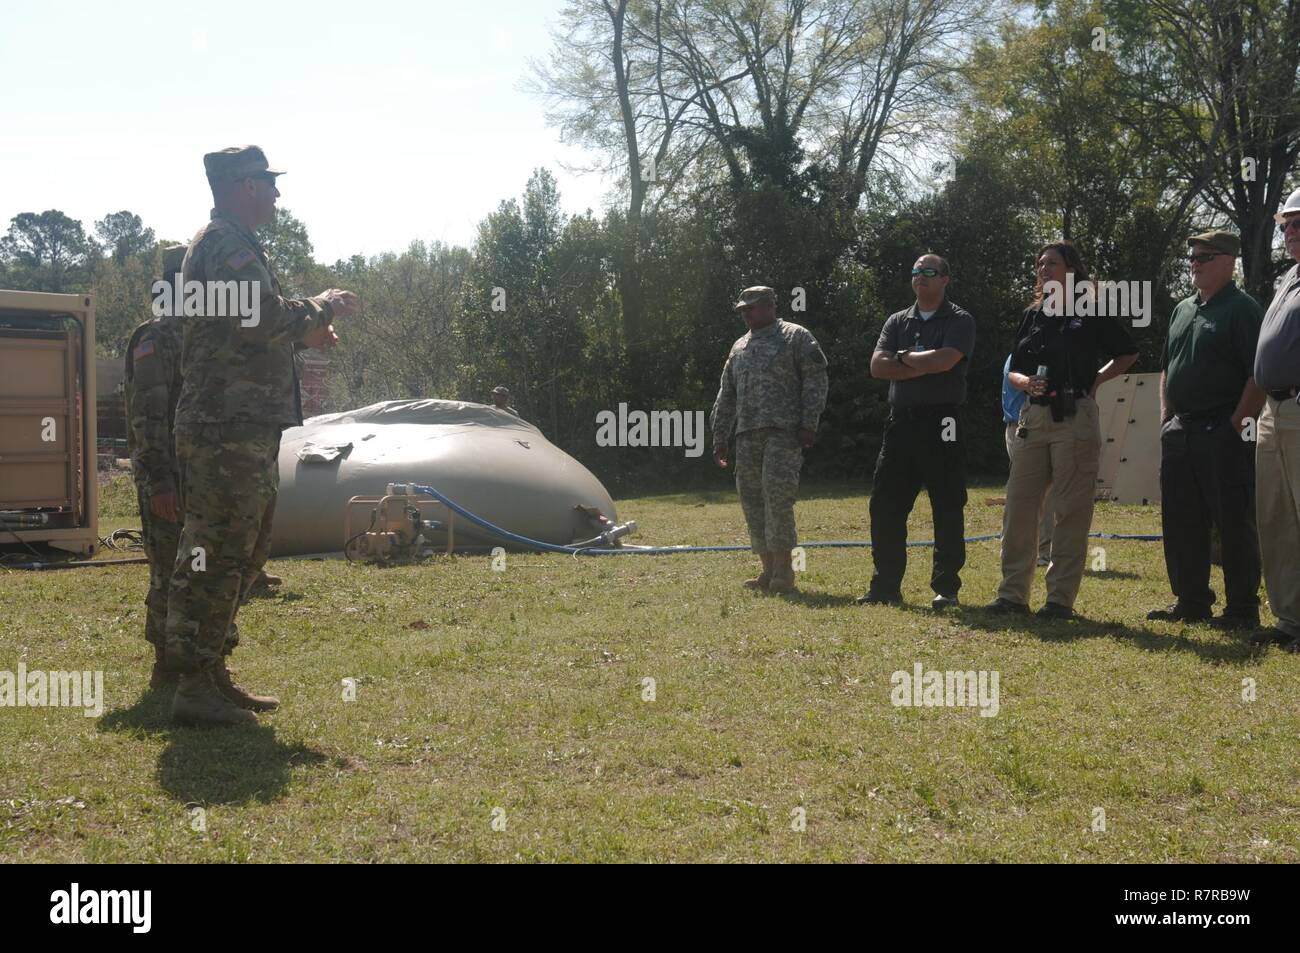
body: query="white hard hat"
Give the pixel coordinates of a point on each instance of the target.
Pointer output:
(1291, 207)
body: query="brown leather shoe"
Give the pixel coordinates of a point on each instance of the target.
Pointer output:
(237, 696)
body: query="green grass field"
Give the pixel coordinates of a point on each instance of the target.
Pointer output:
(519, 696)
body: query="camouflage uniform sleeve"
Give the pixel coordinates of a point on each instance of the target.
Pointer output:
(280, 319)
(812, 369)
(154, 459)
(723, 415)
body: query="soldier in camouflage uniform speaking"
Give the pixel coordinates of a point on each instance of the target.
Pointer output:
(773, 392)
(153, 385)
(239, 391)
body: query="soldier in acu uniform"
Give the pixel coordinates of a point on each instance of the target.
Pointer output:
(773, 392)
(239, 391)
(153, 385)
(501, 400)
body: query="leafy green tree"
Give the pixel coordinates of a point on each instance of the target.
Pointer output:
(47, 252)
(123, 299)
(402, 342)
(521, 321)
(1214, 85)
(289, 249)
(123, 235)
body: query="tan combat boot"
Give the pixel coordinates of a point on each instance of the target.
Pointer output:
(236, 695)
(198, 703)
(763, 578)
(782, 573)
(162, 676)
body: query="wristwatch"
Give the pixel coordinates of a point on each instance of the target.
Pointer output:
(898, 356)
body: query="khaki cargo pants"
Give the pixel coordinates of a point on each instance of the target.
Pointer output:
(1277, 506)
(1065, 455)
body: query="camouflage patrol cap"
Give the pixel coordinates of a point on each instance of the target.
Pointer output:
(235, 163)
(754, 295)
(1223, 242)
(173, 258)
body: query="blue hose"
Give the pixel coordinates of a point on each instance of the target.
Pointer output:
(536, 544)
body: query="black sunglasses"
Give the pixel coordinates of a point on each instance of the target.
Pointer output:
(1289, 224)
(1204, 256)
(928, 272)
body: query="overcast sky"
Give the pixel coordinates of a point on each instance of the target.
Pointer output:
(395, 120)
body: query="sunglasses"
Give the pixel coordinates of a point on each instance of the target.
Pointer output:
(1204, 256)
(1290, 223)
(928, 272)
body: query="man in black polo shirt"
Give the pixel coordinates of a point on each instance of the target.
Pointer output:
(1277, 371)
(923, 352)
(1208, 397)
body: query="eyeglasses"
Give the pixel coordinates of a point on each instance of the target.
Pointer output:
(928, 272)
(1290, 223)
(1204, 256)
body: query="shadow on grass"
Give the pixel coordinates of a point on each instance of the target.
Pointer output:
(150, 715)
(815, 600)
(213, 765)
(1219, 650)
(230, 765)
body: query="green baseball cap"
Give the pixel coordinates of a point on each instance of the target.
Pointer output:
(237, 162)
(1225, 243)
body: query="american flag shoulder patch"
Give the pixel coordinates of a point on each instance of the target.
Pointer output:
(142, 350)
(240, 258)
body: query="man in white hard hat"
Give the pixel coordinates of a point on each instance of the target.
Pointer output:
(1277, 461)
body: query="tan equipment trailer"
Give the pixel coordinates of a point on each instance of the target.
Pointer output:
(49, 488)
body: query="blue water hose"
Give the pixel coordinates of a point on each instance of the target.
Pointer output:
(536, 544)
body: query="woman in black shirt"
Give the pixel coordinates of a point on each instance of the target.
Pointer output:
(1058, 439)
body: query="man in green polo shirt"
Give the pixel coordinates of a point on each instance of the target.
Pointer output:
(1209, 403)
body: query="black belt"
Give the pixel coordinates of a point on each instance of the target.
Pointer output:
(1216, 415)
(1044, 401)
(1284, 393)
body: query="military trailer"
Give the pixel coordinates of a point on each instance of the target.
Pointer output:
(49, 490)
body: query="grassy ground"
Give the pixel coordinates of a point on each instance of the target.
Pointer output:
(520, 695)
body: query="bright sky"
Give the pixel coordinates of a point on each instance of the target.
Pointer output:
(395, 120)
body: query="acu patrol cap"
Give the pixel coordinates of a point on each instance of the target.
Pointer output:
(1225, 243)
(751, 296)
(237, 162)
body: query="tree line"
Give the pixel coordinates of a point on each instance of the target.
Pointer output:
(817, 146)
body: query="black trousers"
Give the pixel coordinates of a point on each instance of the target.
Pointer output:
(1207, 476)
(915, 454)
